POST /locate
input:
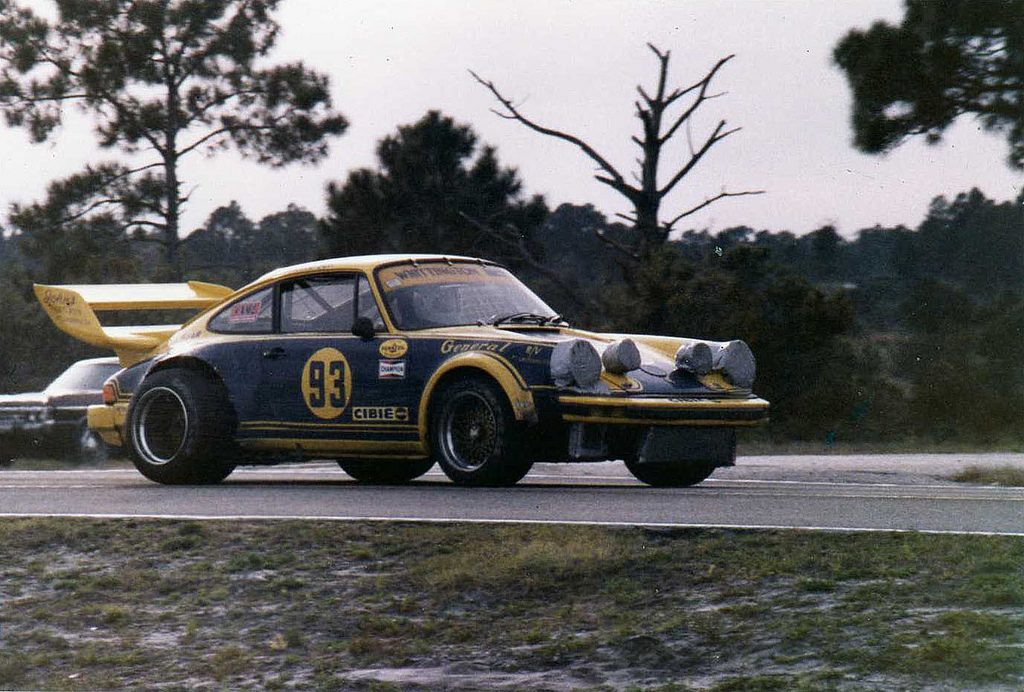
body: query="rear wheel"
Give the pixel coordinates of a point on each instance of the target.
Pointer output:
(180, 429)
(677, 475)
(475, 437)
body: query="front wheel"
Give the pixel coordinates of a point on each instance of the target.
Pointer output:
(677, 475)
(180, 429)
(385, 471)
(475, 438)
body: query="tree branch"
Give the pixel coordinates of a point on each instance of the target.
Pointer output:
(514, 114)
(663, 58)
(144, 222)
(716, 136)
(701, 97)
(627, 251)
(220, 131)
(708, 202)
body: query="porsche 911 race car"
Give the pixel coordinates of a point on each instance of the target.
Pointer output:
(389, 364)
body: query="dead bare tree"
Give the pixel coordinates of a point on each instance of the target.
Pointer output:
(646, 194)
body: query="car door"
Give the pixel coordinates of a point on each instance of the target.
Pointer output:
(328, 384)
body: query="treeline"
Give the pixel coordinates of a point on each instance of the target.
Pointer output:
(229, 248)
(933, 345)
(895, 334)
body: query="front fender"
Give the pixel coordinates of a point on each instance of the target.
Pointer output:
(495, 366)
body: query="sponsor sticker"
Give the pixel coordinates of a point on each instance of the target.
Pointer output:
(390, 369)
(392, 349)
(440, 273)
(245, 311)
(452, 346)
(380, 414)
(326, 383)
(56, 298)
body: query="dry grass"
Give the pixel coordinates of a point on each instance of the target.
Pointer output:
(1007, 476)
(279, 605)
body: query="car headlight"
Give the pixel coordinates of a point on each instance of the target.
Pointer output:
(736, 361)
(695, 357)
(621, 357)
(576, 361)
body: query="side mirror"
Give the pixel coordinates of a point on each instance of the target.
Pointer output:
(363, 328)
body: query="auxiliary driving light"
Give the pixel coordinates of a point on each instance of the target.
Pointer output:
(621, 357)
(695, 357)
(576, 361)
(736, 361)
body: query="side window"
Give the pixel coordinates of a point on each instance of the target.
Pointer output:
(252, 314)
(368, 305)
(318, 304)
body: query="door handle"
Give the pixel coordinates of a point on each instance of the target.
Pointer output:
(274, 353)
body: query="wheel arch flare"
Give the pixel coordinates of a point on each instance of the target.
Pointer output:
(490, 365)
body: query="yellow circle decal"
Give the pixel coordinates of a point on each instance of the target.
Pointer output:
(393, 348)
(326, 383)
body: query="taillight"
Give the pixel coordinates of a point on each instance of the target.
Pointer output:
(109, 393)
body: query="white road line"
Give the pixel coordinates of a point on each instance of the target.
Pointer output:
(692, 492)
(543, 522)
(331, 471)
(20, 486)
(971, 494)
(876, 496)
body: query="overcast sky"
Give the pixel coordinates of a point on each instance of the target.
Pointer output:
(574, 66)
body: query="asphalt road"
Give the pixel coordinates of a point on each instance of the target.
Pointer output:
(864, 493)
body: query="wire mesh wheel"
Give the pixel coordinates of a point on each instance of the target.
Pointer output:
(470, 431)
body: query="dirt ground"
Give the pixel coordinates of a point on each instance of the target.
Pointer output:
(316, 605)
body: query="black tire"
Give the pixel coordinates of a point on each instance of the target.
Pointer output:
(474, 436)
(89, 447)
(385, 471)
(677, 475)
(180, 429)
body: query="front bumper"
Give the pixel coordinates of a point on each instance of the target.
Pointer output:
(658, 411)
(26, 428)
(108, 422)
(26, 438)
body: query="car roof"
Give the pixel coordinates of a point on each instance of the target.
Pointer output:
(357, 263)
(97, 361)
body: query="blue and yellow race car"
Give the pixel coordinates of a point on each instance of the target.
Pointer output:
(391, 363)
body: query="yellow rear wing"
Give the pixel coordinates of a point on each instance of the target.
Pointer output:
(73, 309)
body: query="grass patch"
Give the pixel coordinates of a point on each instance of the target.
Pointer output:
(275, 605)
(1007, 476)
(757, 442)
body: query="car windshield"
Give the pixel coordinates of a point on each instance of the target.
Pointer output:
(444, 294)
(83, 377)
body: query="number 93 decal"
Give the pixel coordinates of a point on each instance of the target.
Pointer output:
(326, 383)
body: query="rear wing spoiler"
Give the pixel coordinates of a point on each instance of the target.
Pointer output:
(73, 309)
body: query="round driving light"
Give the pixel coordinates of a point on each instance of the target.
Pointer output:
(736, 361)
(576, 361)
(695, 357)
(621, 357)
